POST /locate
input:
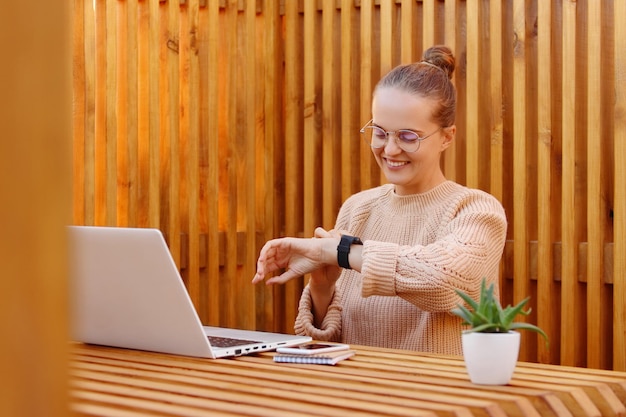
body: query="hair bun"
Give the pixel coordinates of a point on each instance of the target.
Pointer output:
(440, 56)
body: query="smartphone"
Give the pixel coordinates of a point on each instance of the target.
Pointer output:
(313, 348)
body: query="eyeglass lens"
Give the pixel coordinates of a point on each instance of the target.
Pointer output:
(406, 139)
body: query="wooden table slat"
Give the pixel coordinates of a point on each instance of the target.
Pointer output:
(271, 397)
(121, 403)
(406, 390)
(374, 382)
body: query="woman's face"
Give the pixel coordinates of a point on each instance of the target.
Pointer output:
(411, 172)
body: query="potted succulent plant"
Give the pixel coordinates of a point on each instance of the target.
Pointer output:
(491, 344)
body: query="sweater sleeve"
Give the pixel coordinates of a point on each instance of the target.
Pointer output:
(468, 248)
(331, 326)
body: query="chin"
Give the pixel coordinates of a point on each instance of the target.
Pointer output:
(401, 179)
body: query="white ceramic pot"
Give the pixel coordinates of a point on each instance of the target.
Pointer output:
(490, 358)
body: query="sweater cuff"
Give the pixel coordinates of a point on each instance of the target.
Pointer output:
(378, 270)
(331, 325)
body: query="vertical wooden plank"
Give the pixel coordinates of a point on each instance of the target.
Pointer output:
(293, 116)
(132, 109)
(409, 36)
(274, 140)
(571, 312)
(474, 75)
(273, 118)
(228, 133)
(369, 170)
(35, 187)
(154, 199)
(428, 23)
(349, 110)
(201, 50)
(450, 39)
(520, 178)
(293, 147)
(194, 160)
(100, 146)
(387, 29)
(212, 169)
(274, 145)
(547, 317)
(189, 144)
(495, 99)
(184, 125)
(90, 117)
(596, 296)
(165, 122)
(164, 128)
(496, 155)
(173, 185)
(204, 136)
(144, 104)
(110, 146)
(79, 121)
(274, 207)
(312, 118)
(121, 111)
(619, 210)
(247, 318)
(331, 176)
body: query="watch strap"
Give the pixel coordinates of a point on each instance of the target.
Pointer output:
(343, 250)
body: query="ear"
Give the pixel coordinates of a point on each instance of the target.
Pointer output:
(448, 134)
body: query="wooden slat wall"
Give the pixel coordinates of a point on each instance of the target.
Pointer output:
(227, 123)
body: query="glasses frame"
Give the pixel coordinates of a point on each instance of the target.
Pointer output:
(395, 134)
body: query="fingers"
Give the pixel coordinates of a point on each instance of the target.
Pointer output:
(296, 255)
(280, 279)
(262, 266)
(258, 277)
(320, 232)
(274, 256)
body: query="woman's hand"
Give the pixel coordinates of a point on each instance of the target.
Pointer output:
(325, 277)
(297, 256)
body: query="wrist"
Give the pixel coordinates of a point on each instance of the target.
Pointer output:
(329, 251)
(343, 250)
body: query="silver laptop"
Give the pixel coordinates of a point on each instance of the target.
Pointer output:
(126, 291)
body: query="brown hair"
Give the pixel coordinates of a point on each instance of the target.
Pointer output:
(429, 78)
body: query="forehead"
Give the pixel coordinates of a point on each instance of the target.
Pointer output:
(393, 108)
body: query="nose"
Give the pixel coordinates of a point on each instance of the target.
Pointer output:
(392, 147)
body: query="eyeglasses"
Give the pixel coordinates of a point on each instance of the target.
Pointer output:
(407, 140)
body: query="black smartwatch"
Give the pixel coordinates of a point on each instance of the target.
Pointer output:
(343, 250)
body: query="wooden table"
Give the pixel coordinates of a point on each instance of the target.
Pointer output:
(118, 382)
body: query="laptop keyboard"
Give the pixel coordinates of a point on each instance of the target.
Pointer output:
(228, 342)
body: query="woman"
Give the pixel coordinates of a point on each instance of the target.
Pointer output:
(386, 275)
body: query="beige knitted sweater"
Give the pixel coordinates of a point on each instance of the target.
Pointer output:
(417, 250)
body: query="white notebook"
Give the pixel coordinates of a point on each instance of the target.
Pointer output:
(329, 358)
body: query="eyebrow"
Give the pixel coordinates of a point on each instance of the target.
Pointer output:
(418, 132)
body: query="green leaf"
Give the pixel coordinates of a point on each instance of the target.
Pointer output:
(531, 327)
(469, 300)
(464, 313)
(487, 315)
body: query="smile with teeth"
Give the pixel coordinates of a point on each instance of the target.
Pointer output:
(396, 163)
